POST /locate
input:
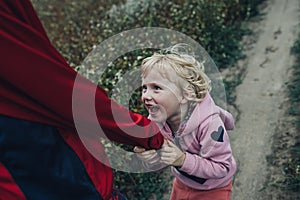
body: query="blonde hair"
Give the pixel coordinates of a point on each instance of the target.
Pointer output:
(185, 65)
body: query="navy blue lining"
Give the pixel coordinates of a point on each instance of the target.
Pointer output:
(41, 163)
(194, 178)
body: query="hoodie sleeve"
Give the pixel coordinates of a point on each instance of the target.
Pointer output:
(213, 160)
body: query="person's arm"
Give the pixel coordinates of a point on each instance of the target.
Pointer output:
(215, 155)
(37, 84)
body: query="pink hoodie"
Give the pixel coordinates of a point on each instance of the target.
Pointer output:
(209, 161)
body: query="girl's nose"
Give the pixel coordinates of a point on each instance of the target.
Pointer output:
(146, 95)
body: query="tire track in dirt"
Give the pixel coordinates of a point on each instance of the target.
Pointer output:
(260, 97)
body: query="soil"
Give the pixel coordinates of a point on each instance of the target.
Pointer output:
(263, 125)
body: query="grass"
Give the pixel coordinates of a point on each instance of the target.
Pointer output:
(290, 179)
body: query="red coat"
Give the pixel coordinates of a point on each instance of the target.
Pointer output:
(36, 84)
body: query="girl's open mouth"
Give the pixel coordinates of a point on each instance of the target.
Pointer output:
(153, 109)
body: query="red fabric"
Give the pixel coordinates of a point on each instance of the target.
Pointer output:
(36, 84)
(101, 175)
(7, 185)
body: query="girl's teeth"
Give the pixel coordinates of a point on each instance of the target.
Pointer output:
(154, 108)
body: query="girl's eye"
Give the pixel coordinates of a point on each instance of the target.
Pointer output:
(144, 88)
(157, 88)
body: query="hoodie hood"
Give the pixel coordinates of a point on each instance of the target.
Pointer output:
(203, 111)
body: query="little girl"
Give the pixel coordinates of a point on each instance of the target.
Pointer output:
(176, 95)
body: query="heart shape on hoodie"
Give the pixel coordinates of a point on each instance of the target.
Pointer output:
(218, 135)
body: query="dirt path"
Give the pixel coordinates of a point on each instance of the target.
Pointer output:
(260, 97)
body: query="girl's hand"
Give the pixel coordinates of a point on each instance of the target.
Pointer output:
(171, 155)
(150, 156)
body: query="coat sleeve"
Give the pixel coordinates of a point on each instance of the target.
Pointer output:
(37, 84)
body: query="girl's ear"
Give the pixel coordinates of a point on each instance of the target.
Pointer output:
(184, 100)
(188, 94)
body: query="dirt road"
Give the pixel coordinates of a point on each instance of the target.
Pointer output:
(260, 97)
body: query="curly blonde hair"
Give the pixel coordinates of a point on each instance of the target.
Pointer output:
(185, 65)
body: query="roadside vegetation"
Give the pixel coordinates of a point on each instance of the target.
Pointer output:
(289, 179)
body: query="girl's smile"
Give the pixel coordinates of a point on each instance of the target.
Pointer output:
(162, 98)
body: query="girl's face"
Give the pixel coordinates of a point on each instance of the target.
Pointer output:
(162, 98)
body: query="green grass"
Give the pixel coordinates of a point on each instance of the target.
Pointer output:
(290, 180)
(294, 86)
